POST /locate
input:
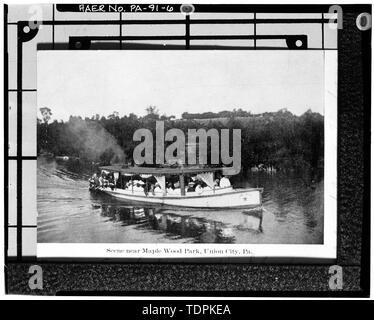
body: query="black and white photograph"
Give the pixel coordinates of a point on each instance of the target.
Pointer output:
(173, 147)
(187, 150)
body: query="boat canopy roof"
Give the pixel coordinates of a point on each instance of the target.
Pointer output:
(158, 171)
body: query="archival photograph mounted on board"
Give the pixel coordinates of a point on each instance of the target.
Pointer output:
(186, 154)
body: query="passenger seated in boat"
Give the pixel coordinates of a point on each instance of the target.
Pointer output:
(103, 181)
(157, 189)
(94, 181)
(111, 181)
(224, 182)
(151, 188)
(191, 187)
(138, 187)
(147, 188)
(216, 182)
(199, 189)
(169, 188)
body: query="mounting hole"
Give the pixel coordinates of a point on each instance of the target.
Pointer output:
(78, 45)
(298, 43)
(363, 21)
(26, 29)
(187, 9)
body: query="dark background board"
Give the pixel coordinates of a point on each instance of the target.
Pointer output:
(354, 103)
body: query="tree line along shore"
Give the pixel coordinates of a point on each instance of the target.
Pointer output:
(277, 141)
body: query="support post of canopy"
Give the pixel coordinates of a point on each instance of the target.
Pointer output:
(214, 185)
(181, 183)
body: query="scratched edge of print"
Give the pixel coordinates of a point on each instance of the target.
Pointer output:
(256, 279)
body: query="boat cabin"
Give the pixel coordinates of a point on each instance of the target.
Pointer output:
(179, 181)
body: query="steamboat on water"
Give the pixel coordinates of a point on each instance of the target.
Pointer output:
(174, 186)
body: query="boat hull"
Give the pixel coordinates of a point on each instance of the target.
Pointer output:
(220, 199)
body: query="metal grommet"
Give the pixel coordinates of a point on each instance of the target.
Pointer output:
(298, 43)
(363, 21)
(187, 9)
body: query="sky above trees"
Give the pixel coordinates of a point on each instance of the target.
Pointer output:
(84, 83)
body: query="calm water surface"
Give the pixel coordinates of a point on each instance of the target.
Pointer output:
(68, 212)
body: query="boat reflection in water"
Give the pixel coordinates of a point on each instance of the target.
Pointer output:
(182, 224)
(293, 213)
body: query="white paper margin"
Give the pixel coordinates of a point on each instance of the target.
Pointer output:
(327, 250)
